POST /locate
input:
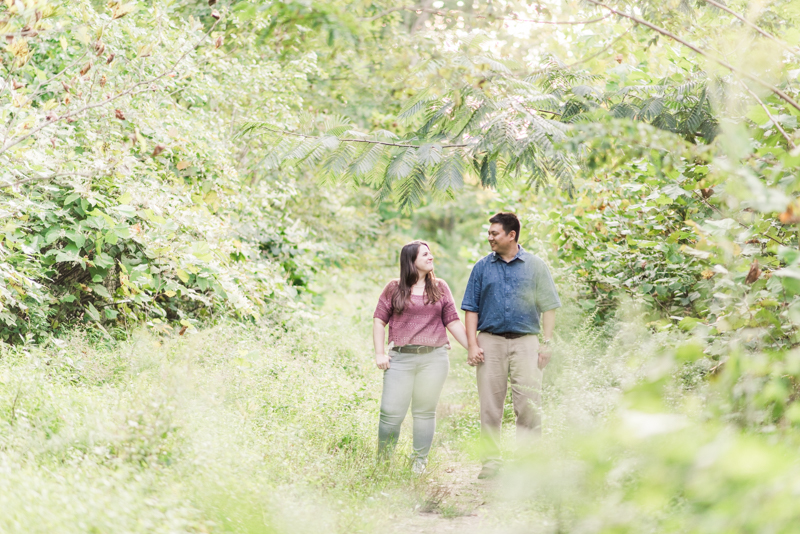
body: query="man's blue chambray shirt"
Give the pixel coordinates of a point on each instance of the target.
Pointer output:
(509, 297)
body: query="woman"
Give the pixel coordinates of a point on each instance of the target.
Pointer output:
(418, 308)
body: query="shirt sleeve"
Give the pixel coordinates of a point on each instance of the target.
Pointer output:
(546, 297)
(472, 295)
(449, 313)
(385, 308)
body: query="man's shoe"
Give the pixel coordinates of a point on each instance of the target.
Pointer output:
(488, 471)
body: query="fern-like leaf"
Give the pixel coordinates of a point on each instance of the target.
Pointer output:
(414, 106)
(449, 174)
(411, 189)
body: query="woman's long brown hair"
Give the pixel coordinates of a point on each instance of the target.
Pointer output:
(409, 276)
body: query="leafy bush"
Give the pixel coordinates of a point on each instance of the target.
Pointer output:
(120, 203)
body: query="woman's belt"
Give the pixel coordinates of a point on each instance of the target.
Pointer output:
(415, 349)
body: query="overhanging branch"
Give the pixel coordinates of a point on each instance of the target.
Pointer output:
(780, 94)
(457, 12)
(130, 90)
(45, 178)
(353, 140)
(771, 117)
(757, 28)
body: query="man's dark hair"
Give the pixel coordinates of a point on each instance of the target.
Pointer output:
(509, 221)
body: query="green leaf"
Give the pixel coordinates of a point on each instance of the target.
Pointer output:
(411, 189)
(449, 174)
(125, 210)
(201, 251)
(152, 217)
(93, 313)
(98, 213)
(54, 235)
(788, 255)
(103, 260)
(122, 231)
(68, 255)
(687, 324)
(183, 276)
(76, 237)
(101, 290)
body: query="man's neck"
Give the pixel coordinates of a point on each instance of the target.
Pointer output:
(509, 255)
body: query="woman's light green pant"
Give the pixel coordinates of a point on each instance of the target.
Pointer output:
(415, 379)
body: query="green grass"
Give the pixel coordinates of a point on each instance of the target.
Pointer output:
(272, 429)
(231, 429)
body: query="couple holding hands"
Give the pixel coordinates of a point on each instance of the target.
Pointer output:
(510, 298)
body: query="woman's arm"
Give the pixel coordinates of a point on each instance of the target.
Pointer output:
(459, 332)
(378, 337)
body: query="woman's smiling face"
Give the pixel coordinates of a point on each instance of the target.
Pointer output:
(424, 261)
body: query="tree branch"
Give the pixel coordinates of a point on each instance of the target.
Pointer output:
(555, 22)
(385, 13)
(39, 91)
(783, 96)
(584, 60)
(740, 223)
(45, 178)
(748, 23)
(455, 12)
(128, 91)
(348, 140)
(771, 117)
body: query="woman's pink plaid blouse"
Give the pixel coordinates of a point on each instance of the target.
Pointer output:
(420, 323)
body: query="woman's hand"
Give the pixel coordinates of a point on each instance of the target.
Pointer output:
(474, 355)
(382, 361)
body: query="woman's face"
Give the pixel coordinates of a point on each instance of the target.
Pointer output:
(424, 261)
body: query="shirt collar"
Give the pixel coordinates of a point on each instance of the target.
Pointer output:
(519, 255)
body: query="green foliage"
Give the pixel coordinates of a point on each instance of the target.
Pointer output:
(654, 161)
(218, 430)
(120, 203)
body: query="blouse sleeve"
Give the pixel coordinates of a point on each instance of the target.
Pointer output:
(449, 313)
(385, 308)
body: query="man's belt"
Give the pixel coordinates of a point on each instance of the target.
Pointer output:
(415, 349)
(508, 335)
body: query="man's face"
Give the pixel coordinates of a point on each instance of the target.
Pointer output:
(499, 240)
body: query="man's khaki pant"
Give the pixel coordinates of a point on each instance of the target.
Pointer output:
(519, 360)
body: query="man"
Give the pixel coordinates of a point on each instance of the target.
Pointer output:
(510, 298)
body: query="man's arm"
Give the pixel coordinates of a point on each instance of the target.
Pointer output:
(548, 325)
(475, 355)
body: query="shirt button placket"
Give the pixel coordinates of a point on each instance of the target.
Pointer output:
(505, 276)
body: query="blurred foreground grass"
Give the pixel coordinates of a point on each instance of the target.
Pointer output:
(272, 429)
(228, 429)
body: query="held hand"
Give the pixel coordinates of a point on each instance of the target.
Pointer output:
(475, 355)
(544, 356)
(382, 361)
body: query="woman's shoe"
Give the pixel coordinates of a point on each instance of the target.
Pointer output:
(418, 466)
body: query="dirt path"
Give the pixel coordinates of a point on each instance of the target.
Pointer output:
(456, 500)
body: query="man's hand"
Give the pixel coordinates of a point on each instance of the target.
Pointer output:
(382, 361)
(475, 355)
(545, 353)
